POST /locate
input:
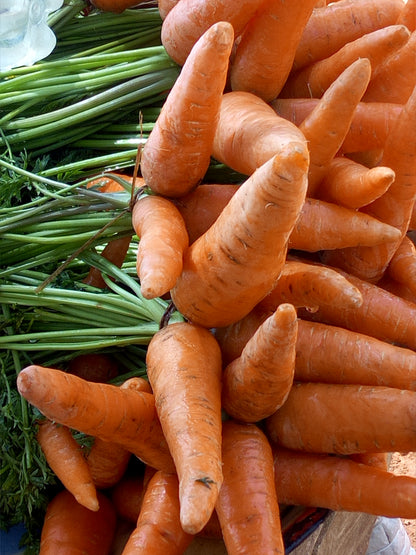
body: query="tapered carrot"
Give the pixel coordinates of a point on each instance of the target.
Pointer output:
(184, 370)
(345, 419)
(257, 383)
(230, 268)
(69, 527)
(177, 152)
(158, 529)
(315, 79)
(162, 241)
(264, 55)
(107, 462)
(65, 457)
(124, 416)
(402, 266)
(341, 484)
(407, 15)
(252, 526)
(378, 460)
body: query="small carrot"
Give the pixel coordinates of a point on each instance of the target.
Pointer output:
(252, 525)
(402, 266)
(65, 457)
(95, 367)
(177, 153)
(69, 527)
(257, 383)
(158, 529)
(184, 370)
(126, 497)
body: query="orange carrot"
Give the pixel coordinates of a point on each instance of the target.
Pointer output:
(407, 15)
(412, 222)
(397, 288)
(341, 484)
(265, 53)
(158, 529)
(123, 416)
(65, 457)
(230, 268)
(184, 370)
(107, 462)
(115, 251)
(116, 6)
(177, 152)
(71, 528)
(162, 241)
(165, 6)
(378, 460)
(402, 266)
(126, 497)
(345, 419)
(95, 367)
(256, 384)
(252, 526)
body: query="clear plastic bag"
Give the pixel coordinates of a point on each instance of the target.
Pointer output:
(389, 537)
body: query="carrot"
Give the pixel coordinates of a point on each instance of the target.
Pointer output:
(64, 456)
(188, 20)
(402, 266)
(341, 22)
(345, 419)
(327, 125)
(230, 268)
(126, 497)
(249, 133)
(162, 241)
(247, 505)
(412, 222)
(69, 527)
(407, 15)
(256, 384)
(115, 251)
(378, 460)
(116, 6)
(109, 412)
(165, 6)
(315, 79)
(177, 152)
(107, 462)
(341, 484)
(264, 55)
(184, 370)
(158, 529)
(95, 367)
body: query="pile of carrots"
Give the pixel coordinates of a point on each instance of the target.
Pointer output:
(293, 374)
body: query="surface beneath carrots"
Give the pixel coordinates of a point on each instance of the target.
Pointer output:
(406, 464)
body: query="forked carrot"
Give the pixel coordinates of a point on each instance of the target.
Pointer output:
(177, 153)
(402, 266)
(184, 370)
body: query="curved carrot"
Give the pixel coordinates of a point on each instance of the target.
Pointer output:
(230, 268)
(402, 266)
(123, 416)
(162, 241)
(177, 153)
(184, 369)
(95, 367)
(69, 527)
(256, 384)
(65, 457)
(252, 526)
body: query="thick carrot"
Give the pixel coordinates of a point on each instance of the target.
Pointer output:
(126, 497)
(247, 506)
(256, 384)
(65, 457)
(326, 127)
(230, 268)
(184, 370)
(69, 527)
(315, 79)
(264, 55)
(345, 419)
(341, 484)
(407, 15)
(402, 266)
(95, 367)
(163, 239)
(158, 529)
(123, 416)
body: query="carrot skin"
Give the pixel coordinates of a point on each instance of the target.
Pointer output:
(95, 367)
(407, 15)
(107, 462)
(378, 460)
(126, 496)
(402, 266)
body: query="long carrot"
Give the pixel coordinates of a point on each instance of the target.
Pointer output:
(123, 416)
(341, 484)
(158, 529)
(177, 152)
(65, 457)
(230, 268)
(256, 384)
(345, 419)
(252, 526)
(69, 527)
(184, 370)
(402, 266)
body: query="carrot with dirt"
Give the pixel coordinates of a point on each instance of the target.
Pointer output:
(184, 369)
(158, 528)
(264, 56)
(122, 416)
(256, 384)
(69, 527)
(237, 261)
(402, 266)
(177, 153)
(252, 526)
(65, 457)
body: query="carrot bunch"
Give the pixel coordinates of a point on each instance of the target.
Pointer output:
(296, 360)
